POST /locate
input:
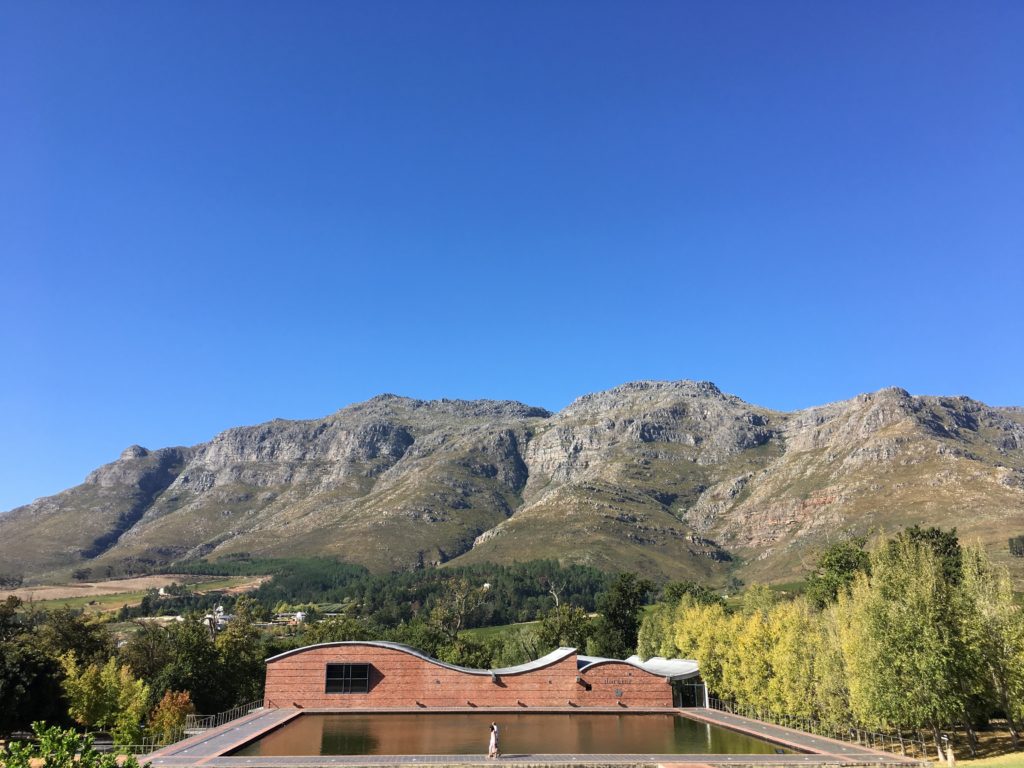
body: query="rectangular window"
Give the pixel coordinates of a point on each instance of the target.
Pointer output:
(348, 678)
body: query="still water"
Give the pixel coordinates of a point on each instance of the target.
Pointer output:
(467, 734)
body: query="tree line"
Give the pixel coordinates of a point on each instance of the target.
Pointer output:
(518, 592)
(916, 634)
(66, 668)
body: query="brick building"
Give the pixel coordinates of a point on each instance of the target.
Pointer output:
(380, 675)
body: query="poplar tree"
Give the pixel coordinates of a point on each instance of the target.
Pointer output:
(704, 633)
(900, 641)
(831, 691)
(995, 627)
(657, 630)
(793, 658)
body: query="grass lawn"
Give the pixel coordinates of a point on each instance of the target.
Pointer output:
(480, 634)
(1012, 760)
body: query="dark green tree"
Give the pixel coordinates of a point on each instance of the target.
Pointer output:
(30, 679)
(944, 544)
(675, 591)
(836, 569)
(240, 656)
(340, 628)
(148, 652)
(64, 630)
(194, 667)
(615, 631)
(565, 625)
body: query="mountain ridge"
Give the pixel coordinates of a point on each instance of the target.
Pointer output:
(676, 479)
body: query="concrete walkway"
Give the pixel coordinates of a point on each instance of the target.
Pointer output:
(211, 748)
(196, 750)
(790, 737)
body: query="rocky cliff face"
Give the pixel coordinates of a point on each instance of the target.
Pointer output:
(672, 478)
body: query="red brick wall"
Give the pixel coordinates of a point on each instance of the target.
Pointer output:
(639, 688)
(399, 680)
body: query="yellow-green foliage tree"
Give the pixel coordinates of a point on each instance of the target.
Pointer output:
(750, 668)
(108, 697)
(656, 636)
(792, 657)
(899, 641)
(831, 695)
(926, 635)
(995, 627)
(705, 633)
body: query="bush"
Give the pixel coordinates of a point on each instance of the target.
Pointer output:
(55, 747)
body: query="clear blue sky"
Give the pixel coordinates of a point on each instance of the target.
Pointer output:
(217, 213)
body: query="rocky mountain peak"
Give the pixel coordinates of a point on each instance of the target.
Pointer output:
(673, 477)
(639, 394)
(398, 406)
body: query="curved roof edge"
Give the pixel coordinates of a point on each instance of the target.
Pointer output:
(544, 661)
(674, 669)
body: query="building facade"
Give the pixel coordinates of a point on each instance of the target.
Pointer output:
(380, 675)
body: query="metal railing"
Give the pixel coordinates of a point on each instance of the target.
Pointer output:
(150, 743)
(895, 742)
(193, 724)
(196, 723)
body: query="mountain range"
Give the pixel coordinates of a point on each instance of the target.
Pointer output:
(671, 479)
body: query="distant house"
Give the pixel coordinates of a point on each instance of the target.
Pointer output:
(382, 675)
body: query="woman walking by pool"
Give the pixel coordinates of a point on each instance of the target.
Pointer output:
(492, 747)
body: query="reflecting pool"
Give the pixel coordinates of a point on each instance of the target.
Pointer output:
(451, 733)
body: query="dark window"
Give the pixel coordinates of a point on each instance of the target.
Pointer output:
(348, 678)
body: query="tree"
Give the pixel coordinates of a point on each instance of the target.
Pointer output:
(615, 633)
(91, 702)
(792, 658)
(759, 598)
(148, 651)
(656, 636)
(194, 666)
(456, 607)
(705, 633)
(107, 697)
(995, 626)
(899, 641)
(836, 569)
(466, 652)
(517, 646)
(564, 625)
(944, 544)
(339, 628)
(30, 686)
(240, 656)
(58, 632)
(750, 671)
(167, 720)
(831, 692)
(419, 634)
(675, 591)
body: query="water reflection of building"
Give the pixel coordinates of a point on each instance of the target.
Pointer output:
(380, 675)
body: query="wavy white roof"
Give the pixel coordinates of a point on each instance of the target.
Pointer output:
(543, 661)
(675, 669)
